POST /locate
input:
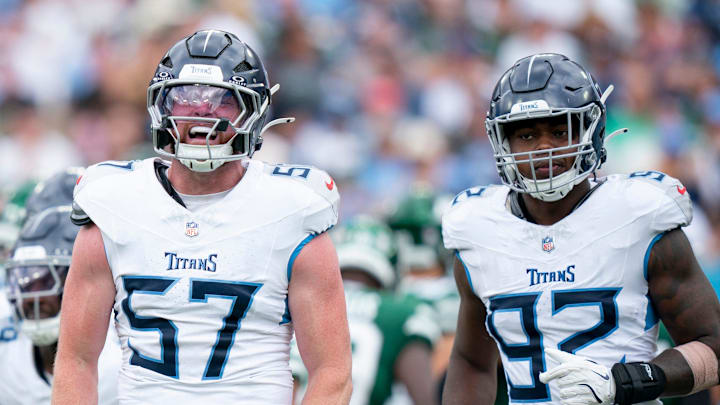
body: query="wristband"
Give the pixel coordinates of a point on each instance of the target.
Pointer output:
(637, 382)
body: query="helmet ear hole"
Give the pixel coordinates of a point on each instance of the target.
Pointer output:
(163, 138)
(238, 145)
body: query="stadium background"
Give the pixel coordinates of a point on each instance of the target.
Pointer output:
(388, 94)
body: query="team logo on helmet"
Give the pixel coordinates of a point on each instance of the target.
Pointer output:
(239, 80)
(548, 245)
(191, 229)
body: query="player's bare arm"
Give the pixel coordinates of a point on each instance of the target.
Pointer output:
(317, 305)
(472, 373)
(686, 303)
(87, 304)
(412, 369)
(688, 306)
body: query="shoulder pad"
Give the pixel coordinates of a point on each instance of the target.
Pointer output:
(93, 173)
(675, 207)
(323, 211)
(471, 192)
(315, 179)
(454, 220)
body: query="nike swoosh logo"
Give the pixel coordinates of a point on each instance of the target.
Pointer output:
(127, 166)
(330, 185)
(593, 392)
(681, 189)
(604, 377)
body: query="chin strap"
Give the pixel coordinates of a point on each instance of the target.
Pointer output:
(161, 174)
(197, 157)
(42, 332)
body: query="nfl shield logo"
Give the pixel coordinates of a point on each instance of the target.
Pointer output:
(191, 229)
(547, 244)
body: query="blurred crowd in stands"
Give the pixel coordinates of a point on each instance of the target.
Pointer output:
(387, 93)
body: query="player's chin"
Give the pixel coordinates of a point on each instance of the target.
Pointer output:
(542, 173)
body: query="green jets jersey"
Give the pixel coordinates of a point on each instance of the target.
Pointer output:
(381, 326)
(440, 293)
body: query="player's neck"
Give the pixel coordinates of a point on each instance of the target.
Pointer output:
(47, 357)
(223, 178)
(548, 213)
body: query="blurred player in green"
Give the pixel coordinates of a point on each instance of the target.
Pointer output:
(423, 265)
(391, 336)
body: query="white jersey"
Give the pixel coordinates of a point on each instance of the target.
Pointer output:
(202, 295)
(23, 382)
(579, 285)
(8, 327)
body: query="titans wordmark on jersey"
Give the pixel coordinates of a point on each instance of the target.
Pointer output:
(579, 285)
(202, 295)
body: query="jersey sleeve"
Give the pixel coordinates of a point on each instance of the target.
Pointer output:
(321, 213)
(454, 219)
(421, 324)
(93, 173)
(673, 205)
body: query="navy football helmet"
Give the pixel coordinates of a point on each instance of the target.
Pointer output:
(215, 69)
(40, 259)
(56, 190)
(366, 244)
(541, 86)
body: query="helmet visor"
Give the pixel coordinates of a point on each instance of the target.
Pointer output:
(37, 280)
(30, 286)
(193, 100)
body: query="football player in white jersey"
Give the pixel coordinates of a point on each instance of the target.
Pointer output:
(36, 272)
(565, 276)
(11, 216)
(211, 260)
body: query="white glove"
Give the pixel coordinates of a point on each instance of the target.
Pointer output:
(581, 381)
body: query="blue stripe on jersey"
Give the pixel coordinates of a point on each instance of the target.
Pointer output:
(286, 318)
(299, 247)
(296, 252)
(127, 166)
(647, 253)
(651, 318)
(467, 272)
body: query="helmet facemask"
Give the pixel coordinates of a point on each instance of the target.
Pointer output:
(35, 279)
(215, 107)
(582, 121)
